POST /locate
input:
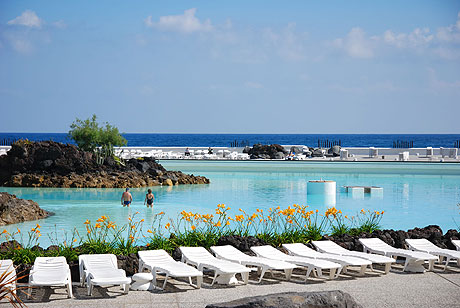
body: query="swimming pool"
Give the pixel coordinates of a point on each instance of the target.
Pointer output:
(414, 194)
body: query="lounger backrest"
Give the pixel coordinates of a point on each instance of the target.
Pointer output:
(50, 263)
(50, 266)
(6, 266)
(267, 251)
(98, 261)
(421, 244)
(229, 252)
(375, 243)
(155, 256)
(197, 254)
(456, 244)
(301, 249)
(329, 246)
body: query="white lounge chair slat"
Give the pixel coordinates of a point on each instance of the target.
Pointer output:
(414, 259)
(456, 244)
(333, 248)
(50, 271)
(102, 270)
(232, 254)
(310, 263)
(425, 245)
(201, 258)
(301, 250)
(7, 269)
(159, 261)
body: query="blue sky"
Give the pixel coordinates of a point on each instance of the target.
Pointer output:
(231, 67)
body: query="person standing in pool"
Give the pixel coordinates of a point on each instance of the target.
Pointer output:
(149, 197)
(126, 198)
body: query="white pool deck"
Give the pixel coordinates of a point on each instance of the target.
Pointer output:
(353, 154)
(397, 289)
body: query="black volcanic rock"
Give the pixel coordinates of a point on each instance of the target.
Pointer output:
(323, 299)
(14, 210)
(272, 151)
(52, 164)
(397, 238)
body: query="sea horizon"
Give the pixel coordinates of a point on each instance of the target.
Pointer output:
(229, 139)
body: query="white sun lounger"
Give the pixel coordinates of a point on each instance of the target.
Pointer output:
(414, 259)
(301, 250)
(311, 264)
(101, 270)
(232, 254)
(425, 245)
(50, 272)
(456, 244)
(8, 274)
(159, 261)
(224, 271)
(333, 248)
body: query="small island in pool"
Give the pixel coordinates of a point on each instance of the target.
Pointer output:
(53, 164)
(14, 210)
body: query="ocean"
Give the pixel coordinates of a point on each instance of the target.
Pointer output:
(227, 140)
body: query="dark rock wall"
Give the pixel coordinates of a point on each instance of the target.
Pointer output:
(14, 210)
(52, 164)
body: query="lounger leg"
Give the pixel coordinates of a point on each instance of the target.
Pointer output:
(332, 273)
(126, 288)
(29, 291)
(214, 279)
(319, 272)
(431, 265)
(288, 273)
(338, 272)
(245, 277)
(199, 281)
(344, 269)
(387, 267)
(69, 288)
(262, 273)
(309, 269)
(447, 262)
(362, 270)
(90, 287)
(164, 283)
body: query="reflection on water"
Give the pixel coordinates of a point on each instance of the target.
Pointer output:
(408, 200)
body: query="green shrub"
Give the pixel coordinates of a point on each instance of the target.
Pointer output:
(89, 135)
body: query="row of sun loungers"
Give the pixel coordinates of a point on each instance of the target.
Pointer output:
(193, 154)
(102, 269)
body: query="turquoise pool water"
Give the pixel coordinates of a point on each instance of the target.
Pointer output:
(414, 194)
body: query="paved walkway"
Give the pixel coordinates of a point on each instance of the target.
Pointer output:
(430, 289)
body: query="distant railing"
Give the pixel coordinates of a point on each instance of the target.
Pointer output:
(457, 144)
(328, 143)
(7, 141)
(401, 144)
(239, 144)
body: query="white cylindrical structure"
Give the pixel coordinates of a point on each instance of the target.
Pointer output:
(321, 187)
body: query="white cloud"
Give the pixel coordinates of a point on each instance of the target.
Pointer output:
(288, 42)
(60, 24)
(418, 37)
(28, 18)
(19, 43)
(185, 23)
(450, 33)
(356, 44)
